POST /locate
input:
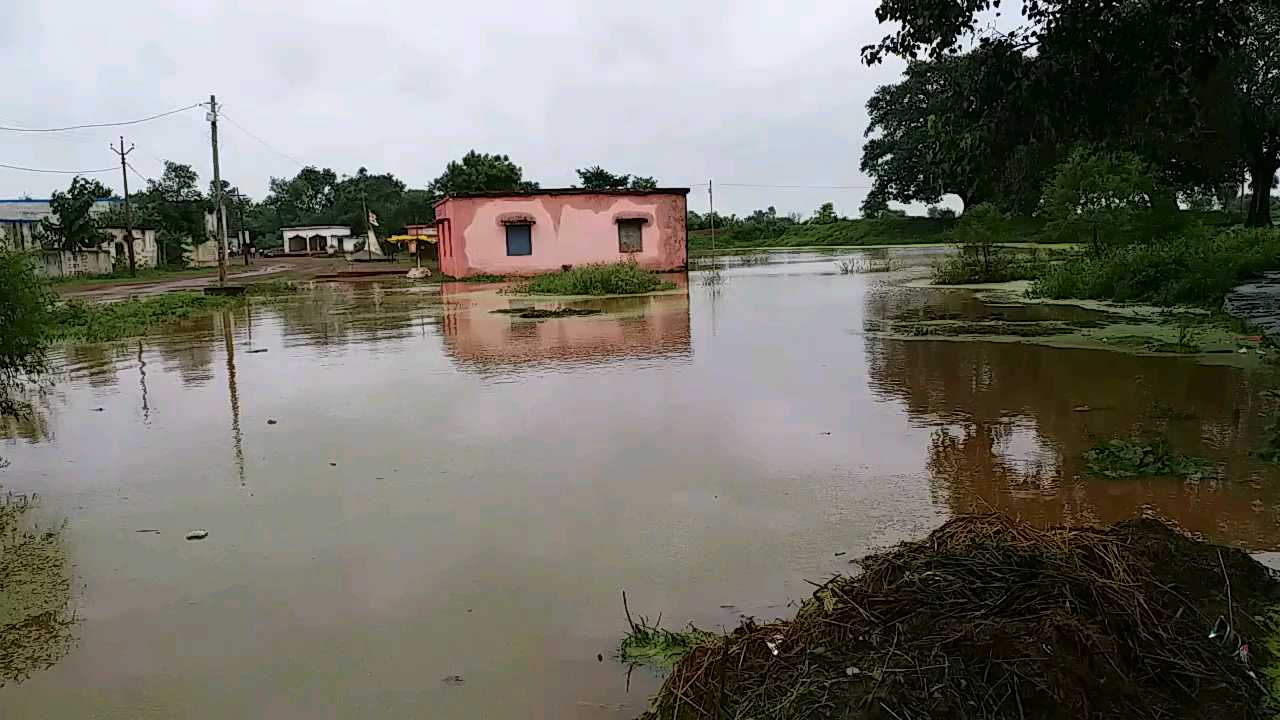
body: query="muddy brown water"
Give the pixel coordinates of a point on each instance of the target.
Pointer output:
(453, 493)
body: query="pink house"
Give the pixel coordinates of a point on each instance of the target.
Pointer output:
(525, 233)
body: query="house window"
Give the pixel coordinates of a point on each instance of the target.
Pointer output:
(519, 239)
(629, 239)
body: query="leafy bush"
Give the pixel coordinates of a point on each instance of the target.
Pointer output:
(1102, 199)
(981, 259)
(1123, 459)
(25, 313)
(1197, 267)
(624, 278)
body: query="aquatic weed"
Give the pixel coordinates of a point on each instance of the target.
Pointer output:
(1118, 458)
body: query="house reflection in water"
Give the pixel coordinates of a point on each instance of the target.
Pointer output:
(478, 338)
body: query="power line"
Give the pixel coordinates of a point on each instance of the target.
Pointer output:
(264, 143)
(135, 172)
(100, 125)
(56, 172)
(798, 187)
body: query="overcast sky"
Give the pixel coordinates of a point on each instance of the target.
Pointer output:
(748, 92)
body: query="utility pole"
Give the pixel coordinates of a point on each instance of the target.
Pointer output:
(242, 235)
(128, 217)
(221, 228)
(711, 197)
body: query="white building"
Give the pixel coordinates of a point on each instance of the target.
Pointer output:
(145, 250)
(331, 239)
(205, 254)
(19, 219)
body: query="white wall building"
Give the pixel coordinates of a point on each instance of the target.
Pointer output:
(145, 250)
(19, 219)
(331, 239)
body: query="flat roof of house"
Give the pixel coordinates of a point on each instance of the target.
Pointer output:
(569, 191)
(316, 227)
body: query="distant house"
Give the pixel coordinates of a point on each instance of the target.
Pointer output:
(330, 239)
(524, 233)
(19, 219)
(145, 250)
(205, 253)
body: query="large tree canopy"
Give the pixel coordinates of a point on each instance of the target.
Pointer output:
(478, 172)
(1155, 78)
(958, 126)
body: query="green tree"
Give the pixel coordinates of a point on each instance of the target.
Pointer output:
(26, 307)
(959, 125)
(825, 214)
(478, 172)
(597, 178)
(73, 226)
(1148, 78)
(174, 206)
(1102, 198)
(1257, 100)
(305, 197)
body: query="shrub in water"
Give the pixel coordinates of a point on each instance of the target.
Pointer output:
(624, 278)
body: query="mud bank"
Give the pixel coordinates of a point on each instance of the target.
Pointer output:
(988, 617)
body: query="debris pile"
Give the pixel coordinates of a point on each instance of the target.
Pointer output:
(991, 618)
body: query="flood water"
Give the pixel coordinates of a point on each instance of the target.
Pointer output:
(452, 492)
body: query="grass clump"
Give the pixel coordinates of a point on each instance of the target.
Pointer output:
(481, 278)
(624, 278)
(1197, 267)
(272, 288)
(657, 648)
(80, 321)
(996, 265)
(1119, 458)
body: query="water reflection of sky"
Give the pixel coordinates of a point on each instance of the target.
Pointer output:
(447, 490)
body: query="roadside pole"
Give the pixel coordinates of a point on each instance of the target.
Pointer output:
(711, 198)
(218, 212)
(128, 217)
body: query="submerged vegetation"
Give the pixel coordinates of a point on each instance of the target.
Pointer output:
(623, 278)
(1119, 458)
(80, 321)
(981, 233)
(989, 617)
(36, 618)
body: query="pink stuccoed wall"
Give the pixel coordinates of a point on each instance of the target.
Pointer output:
(568, 229)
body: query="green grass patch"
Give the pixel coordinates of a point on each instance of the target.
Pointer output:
(1198, 267)
(624, 278)
(481, 278)
(80, 321)
(881, 231)
(272, 288)
(1119, 458)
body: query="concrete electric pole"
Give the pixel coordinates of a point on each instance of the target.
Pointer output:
(217, 193)
(128, 216)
